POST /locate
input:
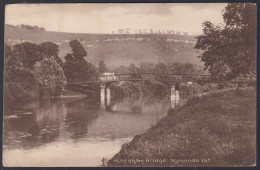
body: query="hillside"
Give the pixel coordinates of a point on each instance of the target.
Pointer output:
(216, 130)
(115, 49)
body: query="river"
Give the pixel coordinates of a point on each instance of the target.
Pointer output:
(76, 132)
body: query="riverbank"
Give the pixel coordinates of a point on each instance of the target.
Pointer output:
(215, 130)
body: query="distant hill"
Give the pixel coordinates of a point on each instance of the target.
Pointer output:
(115, 49)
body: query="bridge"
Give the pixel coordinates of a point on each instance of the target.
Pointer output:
(107, 79)
(174, 79)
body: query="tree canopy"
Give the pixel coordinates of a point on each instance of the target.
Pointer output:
(29, 53)
(50, 75)
(76, 68)
(78, 50)
(231, 50)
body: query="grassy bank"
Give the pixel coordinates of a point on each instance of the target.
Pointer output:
(215, 130)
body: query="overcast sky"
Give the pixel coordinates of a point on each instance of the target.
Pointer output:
(105, 18)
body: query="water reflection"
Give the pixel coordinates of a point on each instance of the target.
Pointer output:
(81, 123)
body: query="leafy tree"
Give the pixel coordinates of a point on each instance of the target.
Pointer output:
(102, 67)
(230, 51)
(242, 18)
(50, 77)
(49, 50)
(78, 50)
(76, 68)
(28, 53)
(20, 83)
(10, 61)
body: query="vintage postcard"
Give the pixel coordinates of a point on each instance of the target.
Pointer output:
(120, 84)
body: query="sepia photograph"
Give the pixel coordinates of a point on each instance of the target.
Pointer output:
(129, 85)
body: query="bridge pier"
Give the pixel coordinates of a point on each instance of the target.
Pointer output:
(108, 96)
(105, 96)
(175, 96)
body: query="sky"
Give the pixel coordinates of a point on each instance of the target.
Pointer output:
(107, 17)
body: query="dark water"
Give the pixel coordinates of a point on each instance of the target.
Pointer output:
(76, 132)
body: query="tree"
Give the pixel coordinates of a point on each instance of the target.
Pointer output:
(50, 77)
(76, 68)
(230, 51)
(242, 17)
(79, 71)
(28, 53)
(49, 50)
(78, 50)
(102, 67)
(10, 61)
(20, 84)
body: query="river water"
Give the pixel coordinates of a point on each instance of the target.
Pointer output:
(77, 131)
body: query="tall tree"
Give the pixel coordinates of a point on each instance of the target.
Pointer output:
(242, 17)
(78, 50)
(76, 68)
(230, 51)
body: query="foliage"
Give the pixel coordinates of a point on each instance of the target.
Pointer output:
(121, 70)
(79, 71)
(146, 67)
(27, 67)
(78, 50)
(49, 50)
(76, 68)
(161, 72)
(50, 76)
(10, 62)
(230, 51)
(29, 53)
(102, 67)
(135, 71)
(69, 57)
(20, 85)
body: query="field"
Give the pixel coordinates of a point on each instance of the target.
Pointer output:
(215, 130)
